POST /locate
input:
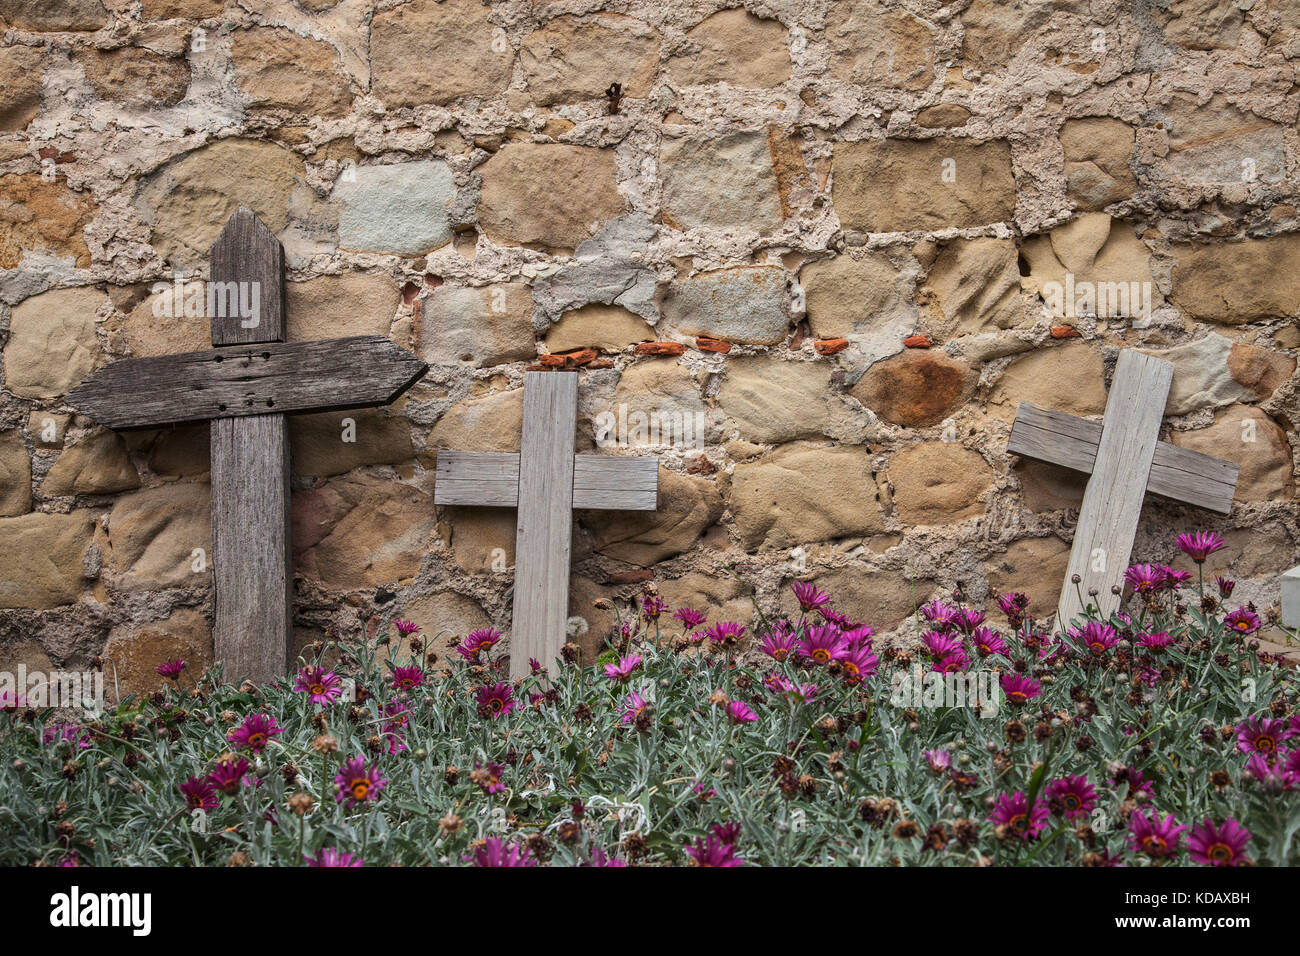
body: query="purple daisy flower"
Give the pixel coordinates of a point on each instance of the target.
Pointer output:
(968, 619)
(476, 642)
(741, 713)
(489, 778)
(1200, 545)
(711, 851)
(1243, 621)
(497, 852)
(939, 614)
(1144, 578)
(407, 678)
(1156, 641)
(823, 644)
(624, 668)
(859, 664)
(1072, 797)
(940, 761)
(1275, 771)
(779, 642)
(1263, 735)
(1213, 845)
(199, 794)
(321, 686)
(940, 644)
(1095, 638)
(690, 617)
(255, 732)
(1225, 586)
(632, 707)
(1153, 836)
(356, 783)
(496, 700)
(600, 858)
(406, 628)
(1012, 811)
(725, 632)
(229, 775)
(952, 663)
(988, 642)
(170, 669)
(809, 596)
(1019, 688)
(652, 607)
(329, 856)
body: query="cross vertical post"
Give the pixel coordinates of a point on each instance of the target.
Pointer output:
(543, 539)
(252, 569)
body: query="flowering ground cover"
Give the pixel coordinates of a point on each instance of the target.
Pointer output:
(1160, 737)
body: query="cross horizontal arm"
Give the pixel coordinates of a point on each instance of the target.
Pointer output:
(600, 482)
(234, 381)
(1177, 473)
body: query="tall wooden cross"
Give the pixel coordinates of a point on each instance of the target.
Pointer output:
(244, 388)
(546, 481)
(1125, 461)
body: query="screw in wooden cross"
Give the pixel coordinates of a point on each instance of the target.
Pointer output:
(244, 388)
(1125, 461)
(546, 481)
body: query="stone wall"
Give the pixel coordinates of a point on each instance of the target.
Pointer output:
(851, 221)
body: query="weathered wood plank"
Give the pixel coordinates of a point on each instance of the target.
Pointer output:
(543, 539)
(1054, 437)
(287, 377)
(247, 258)
(477, 478)
(615, 483)
(253, 580)
(1176, 473)
(600, 482)
(1103, 538)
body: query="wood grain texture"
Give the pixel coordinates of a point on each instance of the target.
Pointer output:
(1177, 473)
(600, 482)
(1112, 503)
(247, 252)
(543, 539)
(292, 377)
(251, 564)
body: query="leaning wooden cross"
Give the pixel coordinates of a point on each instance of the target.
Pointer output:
(546, 481)
(244, 388)
(1126, 461)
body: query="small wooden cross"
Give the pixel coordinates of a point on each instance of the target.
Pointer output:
(244, 388)
(546, 481)
(1125, 461)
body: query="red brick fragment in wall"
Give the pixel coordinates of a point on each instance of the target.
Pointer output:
(551, 361)
(830, 346)
(660, 348)
(1064, 332)
(699, 465)
(917, 342)
(705, 344)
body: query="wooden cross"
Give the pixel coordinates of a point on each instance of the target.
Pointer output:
(1125, 461)
(546, 481)
(244, 388)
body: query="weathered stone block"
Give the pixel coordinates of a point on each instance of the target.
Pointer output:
(801, 494)
(775, 402)
(916, 387)
(40, 564)
(746, 305)
(52, 343)
(476, 327)
(938, 483)
(399, 209)
(431, 52)
(895, 185)
(570, 59)
(547, 194)
(737, 48)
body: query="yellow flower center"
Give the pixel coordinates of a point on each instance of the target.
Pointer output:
(256, 740)
(317, 690)
(360, 788)
(1220, 851)
(1265, 744)
(821, 655)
